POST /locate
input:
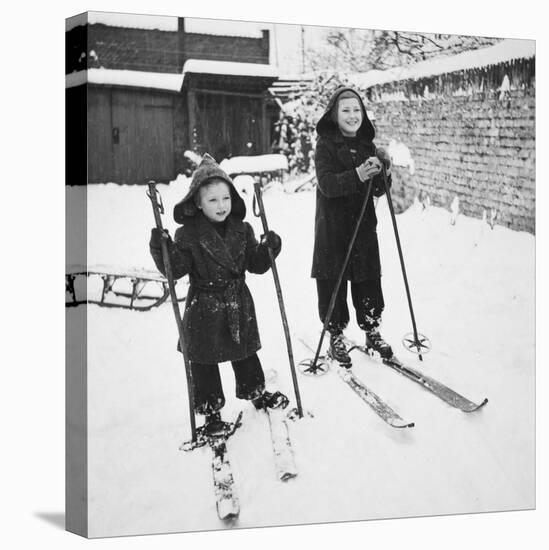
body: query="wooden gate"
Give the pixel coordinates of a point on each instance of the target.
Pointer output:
(130, 136)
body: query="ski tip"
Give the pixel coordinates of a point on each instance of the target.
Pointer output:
(408, 425)
(230, 518)
(228, 510)
(478, 407)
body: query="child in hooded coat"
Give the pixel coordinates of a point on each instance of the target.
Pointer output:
(215, 247)
(345, 163)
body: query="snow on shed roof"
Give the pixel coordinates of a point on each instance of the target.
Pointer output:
(114, 77)
(128, 20)
(254, 164)
(506, 50)
(203, 66)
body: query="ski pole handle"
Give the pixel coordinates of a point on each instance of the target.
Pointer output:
(158, 206)
(258, 202)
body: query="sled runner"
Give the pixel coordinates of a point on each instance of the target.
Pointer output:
(137, 289)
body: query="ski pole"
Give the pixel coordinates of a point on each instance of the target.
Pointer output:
(258, 199)
(333, 298)
(416, 343)
(158, 208)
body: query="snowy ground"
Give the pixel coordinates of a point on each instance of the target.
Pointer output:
(473, 292)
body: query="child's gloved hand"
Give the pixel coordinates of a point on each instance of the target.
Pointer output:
(156, 237)
(385, 158)
(369, 168)
(271, 240)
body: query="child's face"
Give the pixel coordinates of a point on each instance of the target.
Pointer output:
(349, 116)
(215, 200)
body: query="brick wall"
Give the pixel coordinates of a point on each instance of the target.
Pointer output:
(133, 49)
(478, 148)
(152, 50)
(226, 48)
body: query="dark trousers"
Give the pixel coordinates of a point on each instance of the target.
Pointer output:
(367, 301)
(208, 391)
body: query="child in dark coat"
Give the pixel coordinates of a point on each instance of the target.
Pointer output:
(345, 162)
(215, 247)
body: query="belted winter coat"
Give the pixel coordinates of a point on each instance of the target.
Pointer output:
(339, 198)
(219, 323)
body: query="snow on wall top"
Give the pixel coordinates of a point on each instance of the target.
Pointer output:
(139, 79)
(169, 23)
(128, 20)
(229, 68)
(224, 27)
(506, 50)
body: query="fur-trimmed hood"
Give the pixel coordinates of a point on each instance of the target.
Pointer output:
(207, 170)
(326, 127)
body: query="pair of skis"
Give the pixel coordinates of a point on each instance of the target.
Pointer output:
(379, 406)
(227, 502)
(442, 391)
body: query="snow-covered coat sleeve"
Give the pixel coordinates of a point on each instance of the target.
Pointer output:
(258, 260)
(333, 182)
(180, 256)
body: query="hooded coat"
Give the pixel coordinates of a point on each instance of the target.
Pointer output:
(219, 323)
(339, 198)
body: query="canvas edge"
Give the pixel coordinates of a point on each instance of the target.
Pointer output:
(76, 402)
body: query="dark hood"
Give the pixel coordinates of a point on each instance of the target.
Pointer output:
(207, 170)
(326, 127)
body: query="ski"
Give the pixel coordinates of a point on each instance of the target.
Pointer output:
(282, 447)
(227, 504)
(384, 411)
(434, 386)
(380, 407)
(226, 501)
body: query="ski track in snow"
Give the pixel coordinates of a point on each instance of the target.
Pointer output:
(473, 295)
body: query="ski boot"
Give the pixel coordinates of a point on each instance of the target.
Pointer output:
(338, 351)
(213, 424)
(276, 400)
(375, 342)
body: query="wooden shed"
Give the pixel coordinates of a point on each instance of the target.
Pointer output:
(138, 102)
(228, 106)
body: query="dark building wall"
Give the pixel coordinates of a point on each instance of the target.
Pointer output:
(76, 49)
(476, 147)
(76, 135)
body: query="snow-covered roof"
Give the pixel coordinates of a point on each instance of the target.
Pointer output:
(254, 164)
(128, 20)
(229, 68)
(139, 79)
(224, 27)
(505, 50)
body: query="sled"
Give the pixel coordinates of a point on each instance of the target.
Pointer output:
(136, 289)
